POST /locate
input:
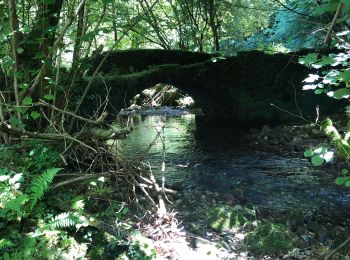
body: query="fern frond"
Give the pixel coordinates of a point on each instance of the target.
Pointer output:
(78, 204)
(5, 243)
(40, 185)
(68, 219)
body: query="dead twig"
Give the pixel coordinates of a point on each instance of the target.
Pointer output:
(10, 130)
(337, 249)
(98, 121)
(78, 179)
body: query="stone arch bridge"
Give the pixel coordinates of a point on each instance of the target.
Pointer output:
(239, 88)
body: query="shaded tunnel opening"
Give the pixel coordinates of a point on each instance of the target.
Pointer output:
(162, 99)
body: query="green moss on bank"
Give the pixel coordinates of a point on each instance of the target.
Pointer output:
(270, 239)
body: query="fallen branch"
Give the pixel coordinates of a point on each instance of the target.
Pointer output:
(93, 122)
(81, 178)
(112, 133)
(337, 249)
(166, 190)
(13, 131)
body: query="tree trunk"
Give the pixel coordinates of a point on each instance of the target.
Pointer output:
(15, 49)
(39, 40)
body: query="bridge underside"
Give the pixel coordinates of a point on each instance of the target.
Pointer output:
(240, 88)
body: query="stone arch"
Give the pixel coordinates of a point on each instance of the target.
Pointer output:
(236, 88)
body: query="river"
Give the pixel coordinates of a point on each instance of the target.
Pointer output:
(211, 157)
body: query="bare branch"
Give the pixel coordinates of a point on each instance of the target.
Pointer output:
(78, 179)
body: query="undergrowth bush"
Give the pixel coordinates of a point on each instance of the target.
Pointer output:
(38, 222)
(28, 228)
(333, 80)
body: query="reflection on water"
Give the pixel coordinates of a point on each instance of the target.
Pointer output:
(215, 158)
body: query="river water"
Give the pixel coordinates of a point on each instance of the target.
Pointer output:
(216, 158)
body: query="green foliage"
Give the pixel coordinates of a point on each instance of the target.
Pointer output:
(332, 79)
(67, 220)
(13, 199)
(343, 179)
(320, 155)
(269, 239)
(27, 228)
(40, 185)
(39, 159)
(141, 247)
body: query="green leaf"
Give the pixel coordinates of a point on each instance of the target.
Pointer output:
(342, 180)
(339, 181)
(16, 203)
(8, 62)
(16, 178)
(345, 75)
(23, 86)
(19, 74)
(25, 29)
(308, 59)
(312, 78)
(4, 177)
(35, 115)
(308, 153)
(344, 172)
(15, 122)
(341, 93)
(319, 91)
(320, 150)
(49, 97)
(347, 184)
(90, 35)
(20, 50)
(41, 184)
(328, 156)
(27, 101)
(317, 160)
(326, 60)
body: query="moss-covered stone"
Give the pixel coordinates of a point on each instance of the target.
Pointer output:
(224, 218)
(270, 239)
(238, 88)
